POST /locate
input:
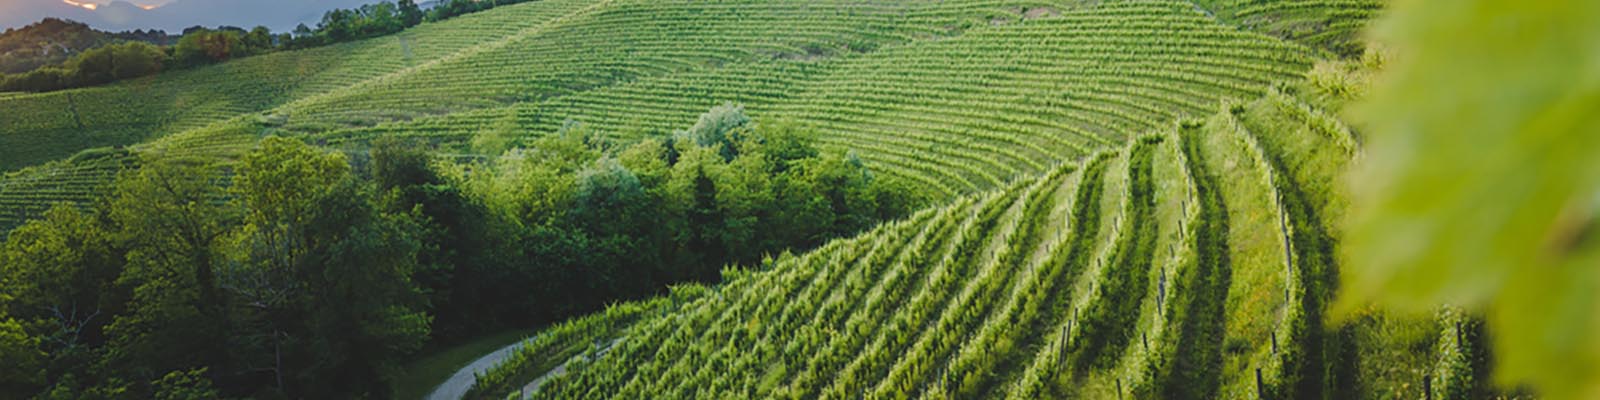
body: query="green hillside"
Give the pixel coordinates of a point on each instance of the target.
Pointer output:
(1179, 266)
(1132, 198)
(959, 96)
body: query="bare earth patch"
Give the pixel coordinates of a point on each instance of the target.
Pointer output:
(1040, 12)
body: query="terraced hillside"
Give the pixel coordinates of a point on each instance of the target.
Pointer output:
(957, 96)
(1136, 198)
(1193, 263)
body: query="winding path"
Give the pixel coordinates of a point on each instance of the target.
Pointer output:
(457, 385)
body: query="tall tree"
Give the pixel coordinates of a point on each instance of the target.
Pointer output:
(410, 14)
(326, 275)
(171, 217)
(59, 272)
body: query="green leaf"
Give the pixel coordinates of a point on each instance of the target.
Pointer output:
(1482, 177)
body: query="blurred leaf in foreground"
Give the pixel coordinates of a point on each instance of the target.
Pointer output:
(1481, 182)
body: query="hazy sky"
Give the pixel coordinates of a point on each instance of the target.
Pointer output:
(172, 15)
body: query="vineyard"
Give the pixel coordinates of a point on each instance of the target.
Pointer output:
(1204, 243)
(956, 96)
(1133, 199)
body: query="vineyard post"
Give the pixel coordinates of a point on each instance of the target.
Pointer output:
(1261, 389)
(1427, 386)
(1459, 338)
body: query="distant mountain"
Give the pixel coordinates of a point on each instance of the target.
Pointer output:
(119, 15)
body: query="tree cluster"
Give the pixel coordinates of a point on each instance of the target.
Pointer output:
(592, 222)
(133, 59)
(202, 46)
(343, 25)
(52, 41)
(96, 66)
(305, 273)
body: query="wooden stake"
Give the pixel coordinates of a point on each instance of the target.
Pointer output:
(1261, 388)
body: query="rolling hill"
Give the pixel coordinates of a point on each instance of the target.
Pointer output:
(1135, 198)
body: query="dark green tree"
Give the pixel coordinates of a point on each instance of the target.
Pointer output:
(323, 274)
(170, 216)
(410, 14)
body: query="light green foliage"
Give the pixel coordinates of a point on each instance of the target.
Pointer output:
(280, 182)
(20, 358)
(532, 184)
(1481, 187)
(184, 385)
(716, 127)
(607, 191)
(58, 269)
(497, 138)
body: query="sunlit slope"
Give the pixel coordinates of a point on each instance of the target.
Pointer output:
(40, 127)
(965, 112)
(953, 96)
(530, 51)
(1176, 266)
(1332, 25)
(615, 41)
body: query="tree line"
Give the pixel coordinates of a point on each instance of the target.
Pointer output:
(52, 40)
(301, 272)
(204, 46)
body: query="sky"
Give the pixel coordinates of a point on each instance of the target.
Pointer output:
(172, 15)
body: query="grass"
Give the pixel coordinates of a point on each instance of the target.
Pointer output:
(421, 375)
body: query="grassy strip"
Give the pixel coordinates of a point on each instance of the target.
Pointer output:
(1054, 306)
(1196, 370)
(1111, 319)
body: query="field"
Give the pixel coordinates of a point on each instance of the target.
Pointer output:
(958, 96)
(1132, 198)
(1110, 277)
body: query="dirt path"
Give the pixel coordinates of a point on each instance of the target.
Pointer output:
(456, 386)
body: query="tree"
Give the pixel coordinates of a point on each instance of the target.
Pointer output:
(303, 37)
(93, 67)
(59, 272)
(186, 384)
(378, 19)
(21, 361)
(39, 80)
(259, 40)
(168, 214)
(460, 261)
(137, 59)
(338, 25)
(325, 274)
(498, 138)
(719, 127)
(204, 46)
(410, 14)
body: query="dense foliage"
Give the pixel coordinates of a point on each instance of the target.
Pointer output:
(1482, 188)
(51, 41)
(131, 59)
(313, 273)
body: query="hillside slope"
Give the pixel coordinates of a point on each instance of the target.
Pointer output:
(957, 96)
(1135, 198)
(1192, 263)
